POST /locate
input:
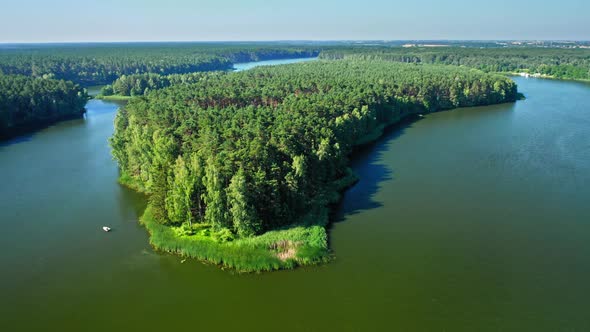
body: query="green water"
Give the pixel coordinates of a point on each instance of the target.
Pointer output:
(469, 220)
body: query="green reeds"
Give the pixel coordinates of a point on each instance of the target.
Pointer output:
(261, 253)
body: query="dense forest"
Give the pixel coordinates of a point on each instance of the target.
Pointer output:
(97, 64)
(245, 153)
(129, 69)
(27, 103)
(557, 63)
(141, 84)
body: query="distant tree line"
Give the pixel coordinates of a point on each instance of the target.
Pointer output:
(253, 151)
(555, 62)
(102, 64)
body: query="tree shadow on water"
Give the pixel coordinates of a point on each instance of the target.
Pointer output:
(27, 133)
(16, 140)
(367, 165)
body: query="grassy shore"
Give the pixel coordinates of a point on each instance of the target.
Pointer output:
(274, 250)
(113, 97)
(304, 243)
(543, 76)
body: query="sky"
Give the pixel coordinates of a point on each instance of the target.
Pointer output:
(250, 20)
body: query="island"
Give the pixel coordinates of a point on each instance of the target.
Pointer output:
(242, 168)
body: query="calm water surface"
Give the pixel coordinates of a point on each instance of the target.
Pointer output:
(249, 65)
(470, 220)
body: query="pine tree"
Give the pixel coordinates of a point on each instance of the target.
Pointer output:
(245, 221)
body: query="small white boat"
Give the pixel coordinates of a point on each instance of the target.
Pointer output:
(421, 115)
(106, 229)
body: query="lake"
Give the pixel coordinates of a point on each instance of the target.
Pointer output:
(468, 220)
(249, 65)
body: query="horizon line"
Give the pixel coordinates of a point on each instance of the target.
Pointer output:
(291, 41)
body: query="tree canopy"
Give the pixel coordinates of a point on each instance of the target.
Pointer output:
(556, 62)
(253, 151)
(27, 102)
(97, 64)
(140, 84)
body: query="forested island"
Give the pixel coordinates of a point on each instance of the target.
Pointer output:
(28, 103)
(241, 168)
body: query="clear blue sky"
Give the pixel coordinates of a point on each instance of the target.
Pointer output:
(203, 20)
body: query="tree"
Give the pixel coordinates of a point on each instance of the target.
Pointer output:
(158, 194)
(107, 90)
(245, 221)
(216, 212)
(180, 194)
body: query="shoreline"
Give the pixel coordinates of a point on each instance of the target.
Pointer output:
(303, 243)
(14, 133)
(300, 244)
(113, 97)
(541, 76)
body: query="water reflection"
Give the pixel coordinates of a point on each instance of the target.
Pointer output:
(366, 163)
